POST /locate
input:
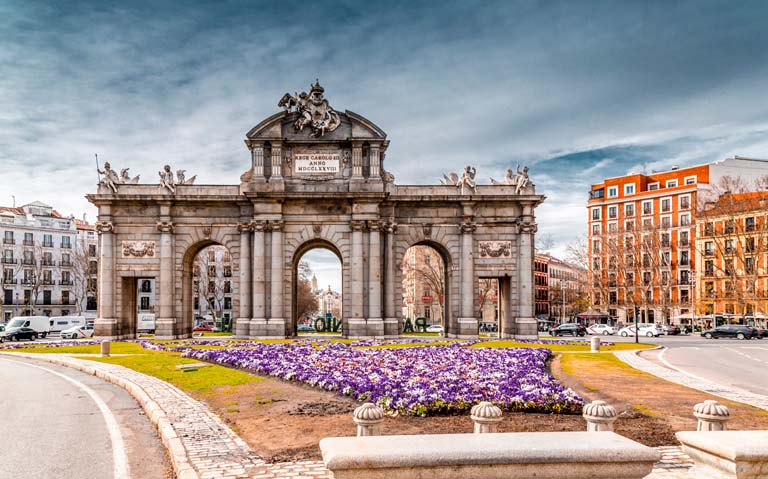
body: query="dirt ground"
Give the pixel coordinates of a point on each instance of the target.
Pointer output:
(284, 421)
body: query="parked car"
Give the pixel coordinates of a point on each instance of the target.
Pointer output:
(574, 329)
(77, 332)
(601, 329)
(649, 330)
(762, 333)
(671, 329)
(738, 331)
(435, 328)
(20, 332)
(202, 328)
(305, 328)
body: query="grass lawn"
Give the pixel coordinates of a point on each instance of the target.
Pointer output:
(161, 365)
(561, 347)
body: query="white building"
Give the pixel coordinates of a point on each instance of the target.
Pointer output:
(213, 284)
(49, 263)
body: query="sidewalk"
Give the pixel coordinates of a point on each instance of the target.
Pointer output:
(678, 377)
(202, 446)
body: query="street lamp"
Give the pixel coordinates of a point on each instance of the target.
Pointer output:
(562, 293)
(692, 282)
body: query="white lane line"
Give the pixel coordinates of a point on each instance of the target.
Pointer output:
(746, 355)
(119, 459)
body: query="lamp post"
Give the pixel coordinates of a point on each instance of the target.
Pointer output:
(562, 293)
(692, 282)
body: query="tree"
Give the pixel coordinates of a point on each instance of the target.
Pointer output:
(83, 285)
(306, 299)
(214, 282)
(428, 269)
(545, 242)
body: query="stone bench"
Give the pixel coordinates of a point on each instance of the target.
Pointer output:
(727, 454)
(543, 455)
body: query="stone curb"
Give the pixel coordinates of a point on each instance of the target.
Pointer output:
(176, 451)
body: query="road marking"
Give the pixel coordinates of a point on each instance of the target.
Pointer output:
(666, 363)
(745, 355)
(119, 459)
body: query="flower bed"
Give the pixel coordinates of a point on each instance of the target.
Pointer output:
(413, 381)
(60, 344)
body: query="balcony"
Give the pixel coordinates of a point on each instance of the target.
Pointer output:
(66, 282)
(10, 281)
(29, 243)
(48, 282)
(66, 264)
(28, 281)
(684, 244)
(49, 262)
(66, 245)
(47, 244)
(9, 241)
(6, 260)
(28, 261)
(709, 252)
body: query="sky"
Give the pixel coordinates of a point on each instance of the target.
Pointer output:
(578, 91)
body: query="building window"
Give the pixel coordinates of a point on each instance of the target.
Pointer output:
(48, 241)
(595, 214)
(709, 248)
(690, 180)
(47, 297)
(65, 242)
(227, 271)
(671, 183)
(666, 205)
(709, 229)
(749, 245)
(749, 223)
(685, 202)
(684, 241)
(613, 191)
(596, 194)
(227, 303)
(665, 243)
(211, 271)
(29, 239)
(146, 286)
(91, 250)
(212, 255)
(653, 186)
(629, 225)
(749, 265)
(647, 207)
(596, 229)
(666, 221)
(144, 303)
(629, 209)
(629, 189)
(613, 227)
(8, 238)
(613, 212)
(684, 260)
(65, 297)
(227, 287)
(685, 220)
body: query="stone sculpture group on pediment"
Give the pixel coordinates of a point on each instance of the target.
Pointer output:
(466, 182)
(314, 110)
(109, 179)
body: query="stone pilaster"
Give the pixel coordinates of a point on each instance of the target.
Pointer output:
(106, 324)
(276, 324)
(357, 281)
(259, 280)
(391, 327)
(375, 320)
(257, 159)
(165, 326)
(375, 158)
(277, 161)
(243, 320)
(357, 161)
(467, 326)
(525, 323)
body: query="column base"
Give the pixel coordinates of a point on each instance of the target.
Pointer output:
(365, 328)
(242, 327)
(105, 328)
(262, 328)
(467, 329)
(165, 328)
(526, 328)
(392, 328)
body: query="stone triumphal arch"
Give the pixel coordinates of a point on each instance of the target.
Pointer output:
(316, 178)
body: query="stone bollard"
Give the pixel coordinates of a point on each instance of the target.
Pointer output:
(486, 417)
(599, 416)
(368, 418)
(595, 345)
(105, 349)
(712, 416)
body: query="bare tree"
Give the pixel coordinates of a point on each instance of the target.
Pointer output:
(83, 271)
(214, 283)
(429, 271)
(306, 300)
(545, 242)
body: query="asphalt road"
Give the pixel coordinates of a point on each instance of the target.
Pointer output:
(728, 362)
(57, 422)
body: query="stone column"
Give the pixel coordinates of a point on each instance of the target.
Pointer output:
(375, 172)
(525, 323)
(391, 327)
(257, 159)
(276, 326)
(357, 161)
(467, 321)
(106, 324)
(375, 320)
(166, 322)
(259, 278)
(356, 319)
(243, 321)
(277, 161)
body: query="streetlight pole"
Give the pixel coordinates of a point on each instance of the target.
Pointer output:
(562, 293)
(692, 281)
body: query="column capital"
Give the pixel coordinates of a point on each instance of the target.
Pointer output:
(275, 225)
(357, 225)
(245, 226)
(104, 227)
(527, 227)
(390, 227)
(258, 225)
(468, 227)
(165, 226)
(375, 225)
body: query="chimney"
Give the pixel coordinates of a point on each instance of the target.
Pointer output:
(675, 167)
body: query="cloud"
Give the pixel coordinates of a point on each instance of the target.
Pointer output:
(599, 92)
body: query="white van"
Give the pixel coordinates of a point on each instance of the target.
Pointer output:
(146, 323)
(60, 323)
(41, 324)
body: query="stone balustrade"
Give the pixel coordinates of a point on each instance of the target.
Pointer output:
(544, 455)
(726, 454)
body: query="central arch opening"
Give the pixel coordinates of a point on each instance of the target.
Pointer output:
(425, 300)
(317, 294)
(212, 287)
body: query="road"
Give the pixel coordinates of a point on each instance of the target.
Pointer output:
(727, 362)
(62, 423)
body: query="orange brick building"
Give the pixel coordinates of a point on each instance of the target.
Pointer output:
(642, 238)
